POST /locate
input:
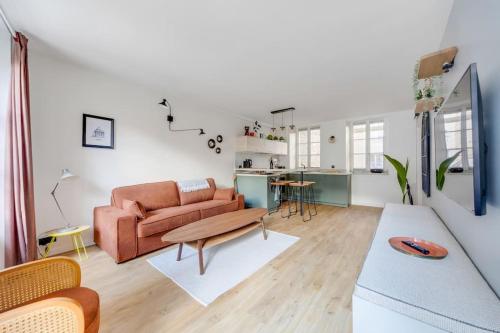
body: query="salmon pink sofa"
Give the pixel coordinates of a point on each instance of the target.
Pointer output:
(139, 215)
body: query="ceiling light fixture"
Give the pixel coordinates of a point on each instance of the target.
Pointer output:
(273, 128)
(282, 111)
(170, 119)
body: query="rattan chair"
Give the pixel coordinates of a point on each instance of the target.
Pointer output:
(26, 304)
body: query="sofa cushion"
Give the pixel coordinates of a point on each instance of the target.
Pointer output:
(152, 195)
(87, 298)
(163, 220)
(134, 207)
(224, 194)
(217, 207)
(187, 198)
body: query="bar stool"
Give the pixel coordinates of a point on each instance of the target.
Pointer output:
(283, 187)
(299, 192)
(310, 196)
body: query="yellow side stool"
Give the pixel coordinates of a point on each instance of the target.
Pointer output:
(76, 235)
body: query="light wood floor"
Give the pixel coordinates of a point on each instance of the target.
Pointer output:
(306, 289)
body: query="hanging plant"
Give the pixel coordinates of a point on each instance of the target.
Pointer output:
(416, 82)
(256, 127)
(423, 88)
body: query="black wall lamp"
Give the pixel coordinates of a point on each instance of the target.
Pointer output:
(170, 119)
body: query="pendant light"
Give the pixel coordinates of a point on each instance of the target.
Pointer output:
(273, 128)
(292, 126)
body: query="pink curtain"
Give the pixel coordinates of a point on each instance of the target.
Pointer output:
(20, 234)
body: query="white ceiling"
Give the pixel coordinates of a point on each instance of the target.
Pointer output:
(329, 59)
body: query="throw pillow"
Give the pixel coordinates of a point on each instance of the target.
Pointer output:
(224, 194)
(134, 207)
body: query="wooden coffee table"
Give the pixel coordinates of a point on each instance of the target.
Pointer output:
(215, 230)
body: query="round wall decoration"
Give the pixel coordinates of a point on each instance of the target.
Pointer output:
(332, 139)
(218, 150)
(211, 143)
(219, 138)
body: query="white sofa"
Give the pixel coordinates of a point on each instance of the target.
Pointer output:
(401, 293)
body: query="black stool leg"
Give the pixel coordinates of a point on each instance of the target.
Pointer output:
(277, 208)
(285, 190)
(314, 201)
(308, 192)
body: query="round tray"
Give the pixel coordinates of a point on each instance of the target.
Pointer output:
(435, 251)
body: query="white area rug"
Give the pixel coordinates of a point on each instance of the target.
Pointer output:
(226, 264)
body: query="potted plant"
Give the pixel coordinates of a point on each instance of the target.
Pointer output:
(256, 127)
(402, 173)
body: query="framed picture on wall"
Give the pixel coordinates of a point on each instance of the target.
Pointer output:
(98, 132)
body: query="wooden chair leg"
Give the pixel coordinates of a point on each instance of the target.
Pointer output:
(263, 228)
(200, 256)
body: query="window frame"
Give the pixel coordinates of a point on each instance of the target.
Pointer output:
(366, 122)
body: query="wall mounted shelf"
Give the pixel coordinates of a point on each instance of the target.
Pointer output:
(432, 64)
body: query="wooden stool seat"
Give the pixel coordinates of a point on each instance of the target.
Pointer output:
(301, 184)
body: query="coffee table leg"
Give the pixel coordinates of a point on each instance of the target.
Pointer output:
(200, 256)
(179, 252)
(263, 228)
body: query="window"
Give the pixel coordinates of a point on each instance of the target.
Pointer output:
(292, 155)
(315, 148)
(366, 145)
(305, 148)
(458, 136)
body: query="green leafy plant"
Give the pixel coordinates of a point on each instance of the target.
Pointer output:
(441, 171)
(269, 136)
(402, 173)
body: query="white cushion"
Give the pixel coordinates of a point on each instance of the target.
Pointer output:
(449, 294)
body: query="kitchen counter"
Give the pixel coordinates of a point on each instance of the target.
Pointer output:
(278, 172)
(332, 187)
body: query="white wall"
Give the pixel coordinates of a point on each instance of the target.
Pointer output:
(5, 42)
(473, 27)
(374, 189)
(145, 150)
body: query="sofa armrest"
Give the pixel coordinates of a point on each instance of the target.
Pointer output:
(241, 200)
(115, 231)
(57, 315)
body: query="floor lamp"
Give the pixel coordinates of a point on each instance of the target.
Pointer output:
(65, 175)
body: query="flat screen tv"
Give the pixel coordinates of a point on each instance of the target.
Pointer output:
(459, 144)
